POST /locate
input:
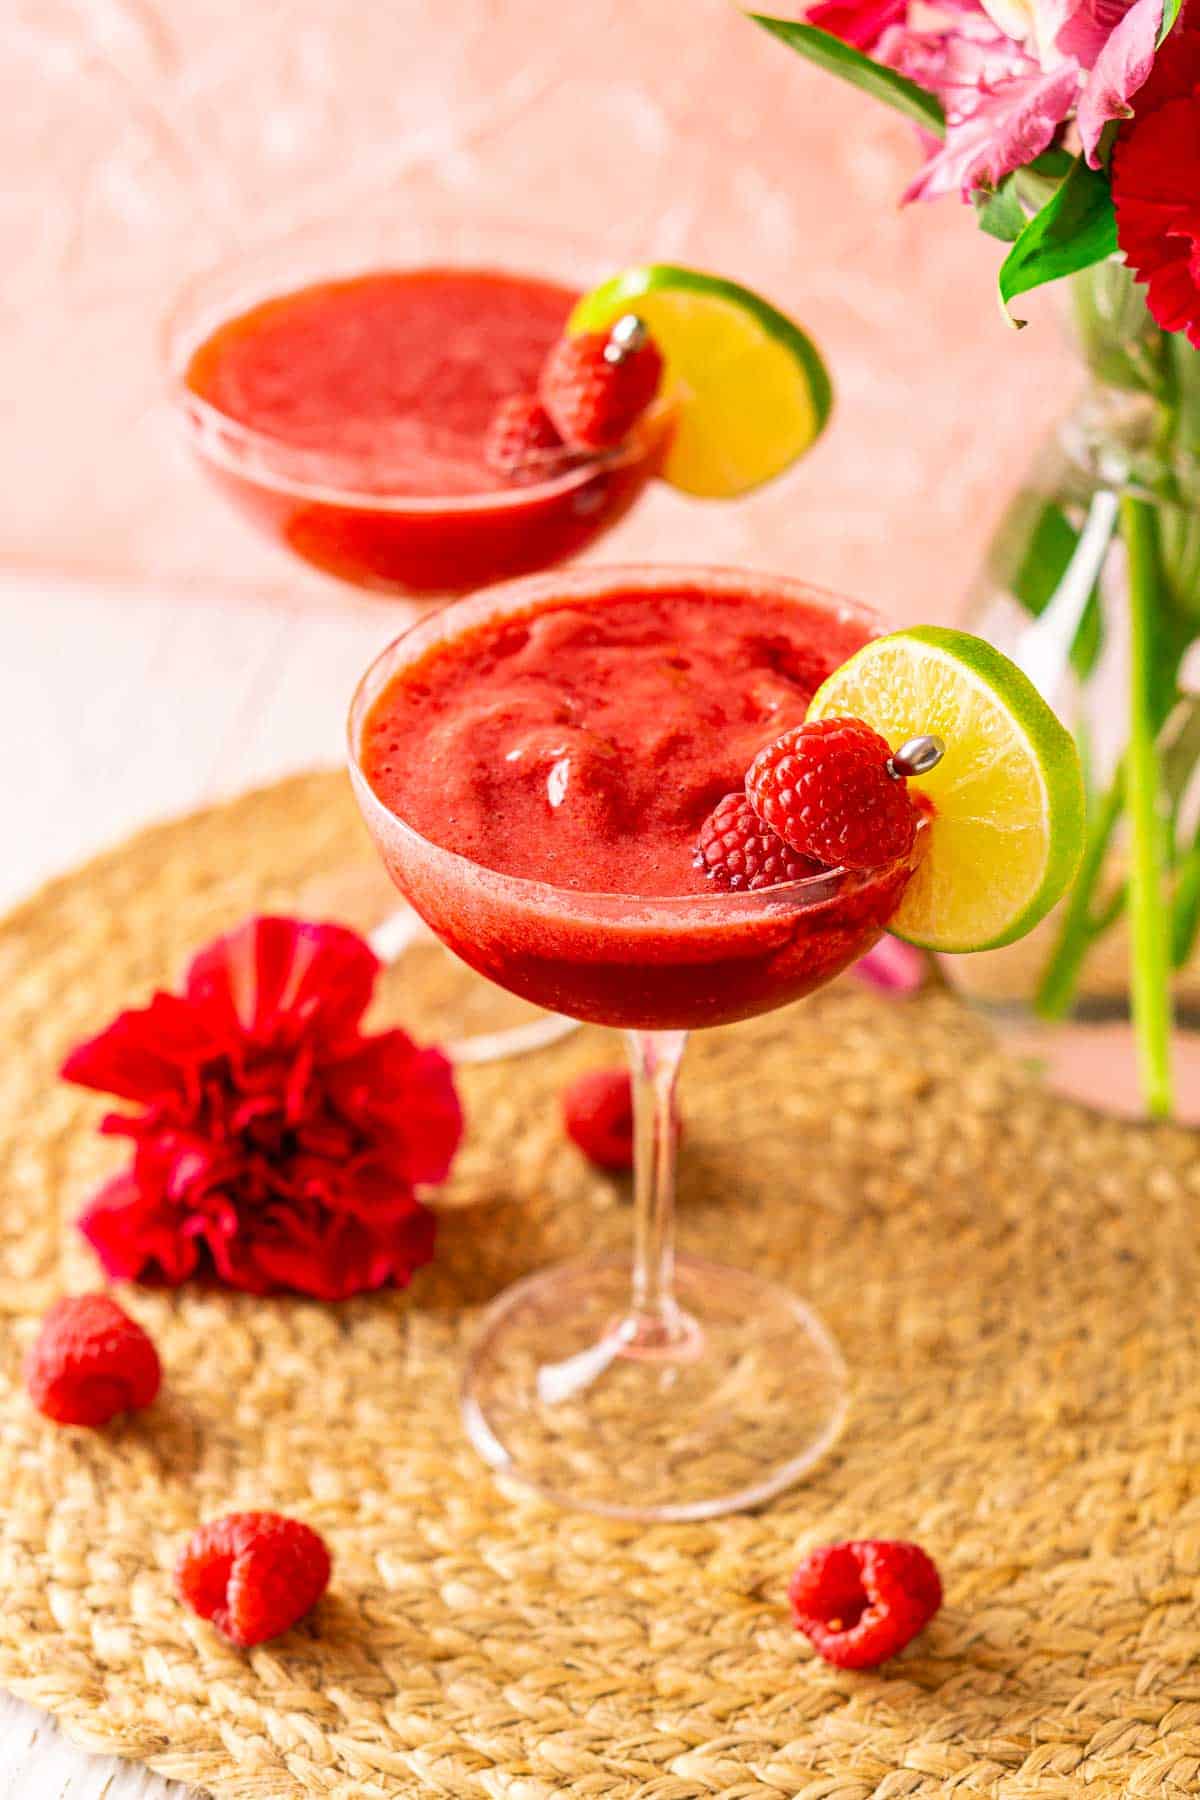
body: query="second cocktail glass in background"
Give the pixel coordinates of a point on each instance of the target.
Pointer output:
(345, 507)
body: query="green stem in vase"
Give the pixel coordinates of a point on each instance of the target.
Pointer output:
(1185, 914)
(1080, 927)
(1185, 372)
(1151, 966)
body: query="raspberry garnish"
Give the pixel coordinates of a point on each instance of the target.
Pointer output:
(859, 1603)
(598, 1114)
(739, 853)
(596, 385)
(253, 1575)
(827, 789)
(522, 440)
(89, 1362)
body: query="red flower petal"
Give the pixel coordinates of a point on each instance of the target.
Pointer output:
(1176, 71)
(406, 1096)
(353, 1258)
(860, 23)
(135, 1235)
(1117, 71)
(375, 1196)
(277, 1146)
(1156, 185)
(150, 1054)
(276, 975)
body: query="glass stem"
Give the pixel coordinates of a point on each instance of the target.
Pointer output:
(655, 1320)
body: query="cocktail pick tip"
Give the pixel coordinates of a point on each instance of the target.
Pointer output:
(917, 757)
(626, 338)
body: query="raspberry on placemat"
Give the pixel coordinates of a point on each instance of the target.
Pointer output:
(859, 1603)
(827, 788)
(91, 1361)
(253, 1575)
(739, 853)
(598, 1115)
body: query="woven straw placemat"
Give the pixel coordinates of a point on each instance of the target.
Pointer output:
(1014, 1283)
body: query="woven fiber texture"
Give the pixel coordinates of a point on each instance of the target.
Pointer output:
(1015, 1286)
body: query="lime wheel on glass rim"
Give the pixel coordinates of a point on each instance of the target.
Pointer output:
(1006, 801)
(748, 387)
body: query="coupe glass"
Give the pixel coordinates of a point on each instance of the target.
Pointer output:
(413, 548)
(317, 505)
(682, 1389)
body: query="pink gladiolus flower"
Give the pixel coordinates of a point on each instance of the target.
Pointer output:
(1005, 129)
(1119, 58)
(1008, 73)
(1002, 109)
(1035, 24)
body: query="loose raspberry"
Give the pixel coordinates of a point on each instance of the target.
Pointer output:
(595, 386)
(253, 1575)
(739, 853)
(826, 789)
(89, 1362)
(522, 440)
(598, 1114)
(858, 1604)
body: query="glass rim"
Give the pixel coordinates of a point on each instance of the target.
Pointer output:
(507, 597)
(247, 451)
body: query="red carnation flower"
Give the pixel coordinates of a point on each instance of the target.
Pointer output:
(277, 1145)
(1156, 184)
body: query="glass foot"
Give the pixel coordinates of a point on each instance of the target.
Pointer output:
(563, 1395)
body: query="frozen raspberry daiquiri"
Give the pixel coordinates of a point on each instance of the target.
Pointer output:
(429, 427)
(672, 798)
(351, 417)
(579, 745)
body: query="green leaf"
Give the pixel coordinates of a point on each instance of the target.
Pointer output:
(1053, 163)
(1041, 179)
(1000, 212)
(1076, 228)
(1185, 912)
(1171, 11)
(1181, 751)
(829, 53)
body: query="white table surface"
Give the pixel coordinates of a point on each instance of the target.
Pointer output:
(116, 708)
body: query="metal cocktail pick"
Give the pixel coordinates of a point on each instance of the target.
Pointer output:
(626, 337)
(917, 757)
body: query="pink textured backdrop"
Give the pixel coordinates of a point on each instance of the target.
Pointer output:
(152, 139)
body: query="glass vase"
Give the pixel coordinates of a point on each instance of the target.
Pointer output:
(1092, 585)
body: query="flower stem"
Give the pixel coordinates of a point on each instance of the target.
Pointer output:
(1151, 965)
(1185, 916)
(1080, 928)
(1185, 368)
